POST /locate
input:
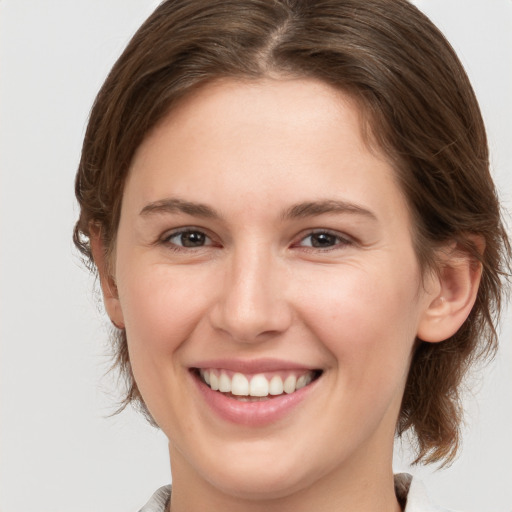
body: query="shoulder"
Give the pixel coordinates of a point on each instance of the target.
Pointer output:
(159, 500)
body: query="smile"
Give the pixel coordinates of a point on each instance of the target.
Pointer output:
(254, 393)
(258, 386)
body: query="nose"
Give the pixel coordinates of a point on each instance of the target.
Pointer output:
(251, 305)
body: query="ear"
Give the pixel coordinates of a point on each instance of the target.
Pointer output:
(455, 290)
(108, 285)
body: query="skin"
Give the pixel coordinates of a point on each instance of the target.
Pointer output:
(353, 307)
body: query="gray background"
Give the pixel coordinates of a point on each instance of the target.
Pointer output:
(59, 452)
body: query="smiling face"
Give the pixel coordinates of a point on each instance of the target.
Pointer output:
(264, 249)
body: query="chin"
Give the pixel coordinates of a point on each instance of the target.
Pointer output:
(262, 470)
(261, 482)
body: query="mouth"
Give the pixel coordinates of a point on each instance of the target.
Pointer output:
(255, 387)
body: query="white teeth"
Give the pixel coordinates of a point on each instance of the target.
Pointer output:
(275, 386)
(289, 384)
(214, 381)
(224, 383)
(239, 385)
(257, 386)
(301, 382)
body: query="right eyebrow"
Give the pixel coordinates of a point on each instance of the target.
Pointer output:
(174, 205)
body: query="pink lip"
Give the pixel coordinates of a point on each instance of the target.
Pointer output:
(254, 414)
(249, 366)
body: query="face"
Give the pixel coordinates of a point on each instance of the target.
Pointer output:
(263, 249)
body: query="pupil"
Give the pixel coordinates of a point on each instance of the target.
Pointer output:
(192, 239)
(323, 240)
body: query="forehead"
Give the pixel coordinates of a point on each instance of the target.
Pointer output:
(259, 140)
(249, 104)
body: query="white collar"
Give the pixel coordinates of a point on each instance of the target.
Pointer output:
(417, 499)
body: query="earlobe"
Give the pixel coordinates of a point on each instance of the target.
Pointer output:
(108, 285)
(456, 290)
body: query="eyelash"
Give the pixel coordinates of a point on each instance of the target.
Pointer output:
(340, 241)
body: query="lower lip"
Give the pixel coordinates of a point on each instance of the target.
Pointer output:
(254, 414)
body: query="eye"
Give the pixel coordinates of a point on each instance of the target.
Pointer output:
(188, 238)
(324, 240)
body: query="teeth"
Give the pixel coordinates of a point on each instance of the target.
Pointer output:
(301, 382)
(214, 381)
(240, 385)
(289, 384)
(225, 383)
(275, 386)
(257, 385)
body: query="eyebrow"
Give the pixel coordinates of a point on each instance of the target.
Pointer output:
(299, 210)
(173, 205)
(315, 208)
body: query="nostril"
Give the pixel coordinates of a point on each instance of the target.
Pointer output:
(250, 305)
(252, 324)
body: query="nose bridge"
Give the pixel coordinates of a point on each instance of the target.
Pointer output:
(252, 304)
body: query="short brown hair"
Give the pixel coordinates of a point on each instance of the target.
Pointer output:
(420, 110)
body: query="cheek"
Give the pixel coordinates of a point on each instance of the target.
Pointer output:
(366, 318)
(161, 309)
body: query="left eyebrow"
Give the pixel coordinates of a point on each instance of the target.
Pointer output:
(314, 208)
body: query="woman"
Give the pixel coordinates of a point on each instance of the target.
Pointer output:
(290, 210)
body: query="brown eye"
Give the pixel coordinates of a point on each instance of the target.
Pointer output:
(189, 239)
(323, 240)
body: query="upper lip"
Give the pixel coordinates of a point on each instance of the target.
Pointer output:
(252, 365)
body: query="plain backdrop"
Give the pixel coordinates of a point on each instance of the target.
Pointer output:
(59, 449)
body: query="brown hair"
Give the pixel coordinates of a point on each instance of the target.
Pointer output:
(421, 111)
